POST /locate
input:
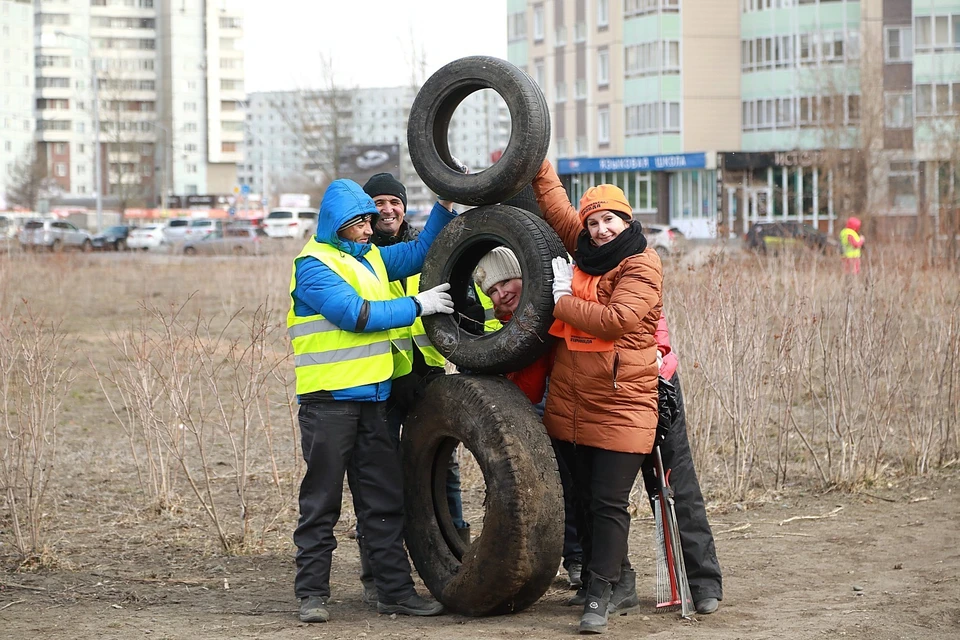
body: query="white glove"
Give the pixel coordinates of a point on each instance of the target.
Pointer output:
(435, 300)
(562, 278)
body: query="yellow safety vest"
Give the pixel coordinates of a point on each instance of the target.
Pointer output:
(846, 236)
(490, 322)
(417, 334)
(327, 358)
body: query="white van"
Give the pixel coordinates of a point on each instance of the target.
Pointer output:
(290, 222)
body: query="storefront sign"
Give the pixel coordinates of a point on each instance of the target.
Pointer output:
(672, 162)
(737, 160)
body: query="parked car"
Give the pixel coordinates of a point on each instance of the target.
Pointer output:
(112, 238)
(290, 222)
(776, 236)
(200, 228)
(666, 240)
(54, 235)
(175, 229)
(150, 236)
(232, 240)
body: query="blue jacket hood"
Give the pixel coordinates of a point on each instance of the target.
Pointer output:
(343, 199)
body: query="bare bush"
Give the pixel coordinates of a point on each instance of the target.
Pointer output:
(34, 379)
(795, 372)
(194, 396)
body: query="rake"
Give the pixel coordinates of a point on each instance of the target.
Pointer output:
(672, 586)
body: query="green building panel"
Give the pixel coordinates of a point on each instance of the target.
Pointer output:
(936, 67)
(652, 145)
(773, 83)
(517, 53)
(516, 6)
(641, 29)
(652, 89)
(938, 7)
(774, 22)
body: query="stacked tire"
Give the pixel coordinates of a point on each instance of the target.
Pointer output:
(513, 562)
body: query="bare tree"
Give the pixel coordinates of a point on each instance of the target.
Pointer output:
(30, 182)
(320, 120)
(126, 134)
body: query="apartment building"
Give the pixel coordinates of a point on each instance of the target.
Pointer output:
(168, 81)
(17, 123)
(712, 114)
(289, 136)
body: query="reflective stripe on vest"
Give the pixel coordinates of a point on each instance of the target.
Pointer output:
(846, 235)
(417, 334)
(490, 322)
(327, 358)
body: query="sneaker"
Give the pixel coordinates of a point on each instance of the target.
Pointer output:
(314, 609)
(412, 606)
(574, 569)
(578, 599)
(707, 605)
(624, 598)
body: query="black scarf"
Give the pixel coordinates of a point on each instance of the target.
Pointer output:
(596, 261)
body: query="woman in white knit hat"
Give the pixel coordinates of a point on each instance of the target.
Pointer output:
(499, 278)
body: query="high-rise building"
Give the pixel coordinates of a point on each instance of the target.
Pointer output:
(289, 135)
(17, 80)
(160, 84)
(712, 115)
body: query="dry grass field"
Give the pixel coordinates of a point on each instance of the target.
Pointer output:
(150, 455)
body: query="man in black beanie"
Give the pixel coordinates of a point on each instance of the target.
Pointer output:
(390, 197)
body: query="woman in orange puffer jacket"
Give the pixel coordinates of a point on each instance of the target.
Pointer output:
(601, 411)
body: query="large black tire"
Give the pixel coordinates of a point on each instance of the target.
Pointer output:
(454, 256)
(514, 560)
(429, 121)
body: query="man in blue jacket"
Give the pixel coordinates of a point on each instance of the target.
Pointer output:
(345, 328)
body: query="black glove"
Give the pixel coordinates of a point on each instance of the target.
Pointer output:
(667, 408)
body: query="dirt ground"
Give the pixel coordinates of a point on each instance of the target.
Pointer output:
(878, 567)
(881, 565)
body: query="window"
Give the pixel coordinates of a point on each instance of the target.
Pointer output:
(580, 91)
(561, 92)
(603, 13)
(671, 56)
(898, 44)
(831, 46)
(941, 32)
(60, 148)
(807, 54)
(228, 147)
(517, 26)
(538, 22)
(922, 32)
(230, 23)
(561, 35)
(603, 125)
(902, 185)
(898, 110)
(853, 109)
(191, 168)
(580, 32)
(671, 117)
(190, 127)
(60, 169)
(603, 67)
(539, 72)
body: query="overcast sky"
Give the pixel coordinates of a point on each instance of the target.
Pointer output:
(371, 42)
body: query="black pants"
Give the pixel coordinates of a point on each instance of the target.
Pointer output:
(696, 538)
(602, 482)
(572, 552)
(351, 438)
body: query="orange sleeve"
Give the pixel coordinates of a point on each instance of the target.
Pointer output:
(556, 207)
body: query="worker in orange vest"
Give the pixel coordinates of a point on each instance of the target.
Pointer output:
(851, 245)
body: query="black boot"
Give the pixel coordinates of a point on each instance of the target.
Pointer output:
(369, 595)
(624, 598)
(464, 533)
(594, 618)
